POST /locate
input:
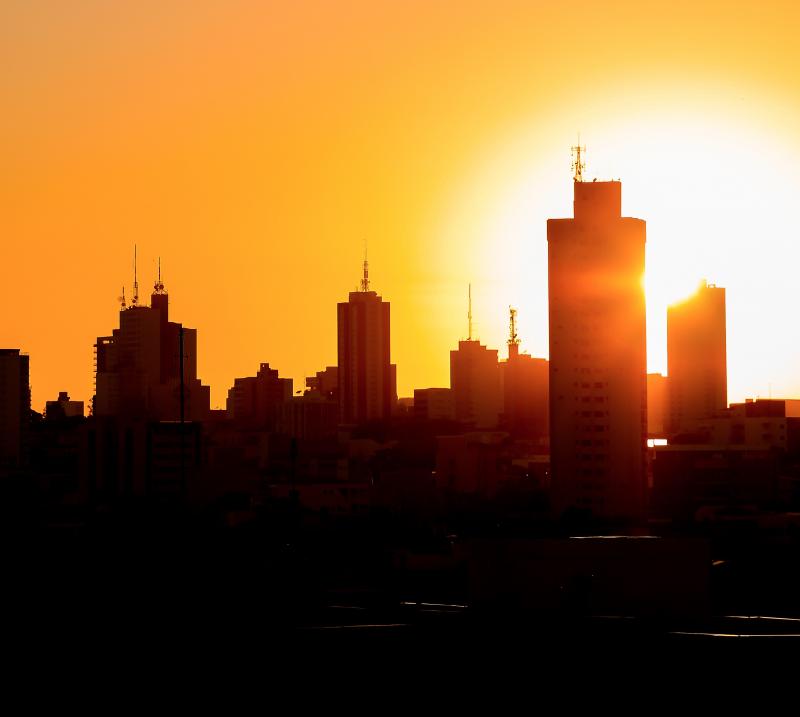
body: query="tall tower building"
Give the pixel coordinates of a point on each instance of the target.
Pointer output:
(598, 405)
(147, 368)
(367, 387)
(697, 357)
(476, 381)
(15, 410)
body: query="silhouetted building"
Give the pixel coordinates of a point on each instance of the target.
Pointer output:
(434, 404)
(598, 407)
(367, 382)
(138, 367)
(526, 401)
(310, 417)
(696, 356)
(63, 408)
(760, 424)
(657, 405)
(743, 456)
(687, 478)
(476, 382)
(256, 400)
(137, 459)
(325, 383)
(15, 409)
(472, 462)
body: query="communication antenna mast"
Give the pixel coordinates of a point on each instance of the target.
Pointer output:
(121, 299)
(578, 163)
(365, 277)
(158, 287)
(513, 341)
(135, 299)
(469, 313)
(512, 326)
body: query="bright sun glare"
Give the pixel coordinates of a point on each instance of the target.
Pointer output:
(717, 196)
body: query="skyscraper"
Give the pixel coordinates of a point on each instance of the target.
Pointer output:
(697, 357)
(367, 384)
(138, 367)
(15, 409)
(598, 405)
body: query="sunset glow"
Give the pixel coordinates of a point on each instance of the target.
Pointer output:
(254, 147)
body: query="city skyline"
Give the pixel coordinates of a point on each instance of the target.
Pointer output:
(125, 303)
(254, 148)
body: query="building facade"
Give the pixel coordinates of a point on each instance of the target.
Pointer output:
(697, 357)
(256, 400)
(138, 368)
(367, 389)
(598, 369)
(476, 383)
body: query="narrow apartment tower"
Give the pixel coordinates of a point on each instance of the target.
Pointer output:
(367, 389)
(598, 367)
(697, 357)
(15, 410)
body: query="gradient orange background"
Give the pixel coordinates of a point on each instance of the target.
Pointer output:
(254, 146)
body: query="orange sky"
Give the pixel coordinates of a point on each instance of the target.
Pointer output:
(255, 145)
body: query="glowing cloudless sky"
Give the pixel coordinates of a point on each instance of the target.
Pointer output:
(255, 145)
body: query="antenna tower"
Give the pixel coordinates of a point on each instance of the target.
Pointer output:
(513, 341)
(158, 287)
(512, 327)
(365, 277)
(469, 313)
(121, 299)
(578, 163)
(135, 299)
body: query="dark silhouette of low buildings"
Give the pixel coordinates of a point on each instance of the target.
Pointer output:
(63, 407)
(433, 404)
(256, 401)
(745, 456)
(325, 383)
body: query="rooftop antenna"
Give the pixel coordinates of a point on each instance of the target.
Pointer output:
(121, 299)
(158, 287)
(578, 164)
(469, 313)
(365, 278)
(135, 299)
(513, 340)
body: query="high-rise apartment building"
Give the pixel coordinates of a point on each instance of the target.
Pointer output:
(147, 368)
(367, 379)
(598, 369)
(697, 357)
